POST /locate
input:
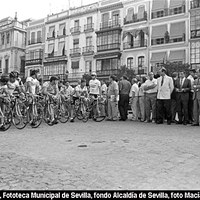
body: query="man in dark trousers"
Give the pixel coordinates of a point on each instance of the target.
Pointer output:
(183, 87)
(173, 98)
(124, 90)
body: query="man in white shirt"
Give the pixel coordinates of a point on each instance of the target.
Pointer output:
(165, 88)
(13, 84)
(134, 99)
(150, 89)
(190, 103)
(95, 85)
(32, 82)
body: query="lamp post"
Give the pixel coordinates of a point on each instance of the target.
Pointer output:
(66, 75)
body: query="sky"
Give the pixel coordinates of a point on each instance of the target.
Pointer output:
(37, 9)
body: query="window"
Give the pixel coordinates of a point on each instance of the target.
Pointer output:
(160, 41)
(51, 32)
(32, 55)
(130, 14)
(130, 63)
(75, 65)
(160, 13)
(195, 52)
(105, 20)
(2, 38)
(176, 11)
(141, 65)
(115, 18)
(22, 66)
(89, 20)
(88, 41)
(33, 38)
(8, 38)
(39, 36)
(76, 43)
(76, 23)
(88, 66)
(6, 65)
(0, 67)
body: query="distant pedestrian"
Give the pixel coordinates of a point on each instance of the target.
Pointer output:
(173, 98)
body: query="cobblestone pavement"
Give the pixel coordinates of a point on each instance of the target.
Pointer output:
(107, 155)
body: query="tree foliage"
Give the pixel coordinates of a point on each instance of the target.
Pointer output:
(130, 73)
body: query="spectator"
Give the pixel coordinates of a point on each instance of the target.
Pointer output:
(124, 90)
(103, 88)
(113, 93)
(134, 99)
(150, 89)
(142, 99)
(165, 88)
(173, 98)
(196, 97)
(183, 87)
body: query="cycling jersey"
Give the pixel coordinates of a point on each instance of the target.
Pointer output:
(2, 89)
(82, 91)
(67, 91)
(12, 86)
(33, 84)
(94, 86)
(52, 89)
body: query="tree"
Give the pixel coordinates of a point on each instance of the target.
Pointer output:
(87, 77)
(130, 73)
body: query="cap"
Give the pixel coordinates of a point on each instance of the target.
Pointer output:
(54, 78)
(93, 74)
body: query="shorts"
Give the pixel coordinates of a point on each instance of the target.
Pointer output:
(94, 95)
(74, 99)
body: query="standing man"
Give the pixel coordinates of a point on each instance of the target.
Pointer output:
(183, 87)
(196, 97)
(134, 92)
(124, 90)
(165, 88)
(191, 93)
(173, 98)
(150, 89)
(113, 93)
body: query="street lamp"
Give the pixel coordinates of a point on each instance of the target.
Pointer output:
(66, 75)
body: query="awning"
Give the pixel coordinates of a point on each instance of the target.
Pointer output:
(51, 48)
(177, 29)
(131, 32)
(176, 3)
(159, 5)
(62, 26)
(51, 29)
(177, 55)
(60, 48)
(141, 11)
(145, 30)
(130, 13)
(158, 31)
(158, 57)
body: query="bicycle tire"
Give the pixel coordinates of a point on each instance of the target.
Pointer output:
(38, 120)
(63, 114)
(99, 117)
(85, 117)
(7, 119)
(20, 122)
(47, 116)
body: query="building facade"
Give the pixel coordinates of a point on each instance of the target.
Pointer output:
(35, 46)
(169, 32)
(195, 34)
(12, 45)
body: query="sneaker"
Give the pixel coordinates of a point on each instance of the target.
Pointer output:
(72, 120)
(153, 121)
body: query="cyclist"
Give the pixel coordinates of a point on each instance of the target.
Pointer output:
(32, 83)
(13, 84)
(4, 98)
(51, 90)
(95, 89)
(21, 85)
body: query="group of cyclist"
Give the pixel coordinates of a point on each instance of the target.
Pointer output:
(54, 89)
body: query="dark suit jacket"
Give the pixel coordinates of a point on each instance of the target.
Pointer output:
(184, 95)
(196, 94)
(173, 94)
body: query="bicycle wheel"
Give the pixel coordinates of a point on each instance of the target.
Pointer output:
(100, 116)
(7, 118)
(47, 117)
(63, 114)
(85, 117)
(20, 116)
(37, 120)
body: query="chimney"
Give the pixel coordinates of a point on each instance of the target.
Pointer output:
(15, 16)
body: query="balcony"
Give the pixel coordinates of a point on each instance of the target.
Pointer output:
(35, 61)
(135, 44)
(89, 27)
(135, 19)
(195, 4)
(110, 24)
(168, 12)
(73, 77)
(38, 40)
(76, 52)
(75, 30)
(61, 34)
(56, 55)
(107, 72)
(88, 50)
(105, 47)
(160, 41)
(195, 34)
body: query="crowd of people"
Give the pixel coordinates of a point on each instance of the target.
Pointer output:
(152, 99)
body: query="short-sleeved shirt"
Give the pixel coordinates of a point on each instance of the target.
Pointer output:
(82, 91)
(124, 87)
(94, 86)
(112, 88)
(12, 86)
(33, 84)
(150, 83)
(52, 89)
(135, 89)
(67, 91)
(104, 88)
(3, 88)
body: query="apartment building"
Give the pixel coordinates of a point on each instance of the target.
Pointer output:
(35, 46)
(195, 34)
(109, 33)
(135, 38)
(169, 32)
(12, 45)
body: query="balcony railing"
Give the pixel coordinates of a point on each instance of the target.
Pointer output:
(168, 12)
(55, 54)
(75, 52)
(38, 40)
(135, 19)
(88, 27)
(195, 33)
(195, 4)
(105, 47)
(135, 44)
(160, 41)
(110, 24)
(75, 30)
(107, 72)
(88, 50)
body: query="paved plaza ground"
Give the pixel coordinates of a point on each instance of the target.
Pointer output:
(107, 155)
